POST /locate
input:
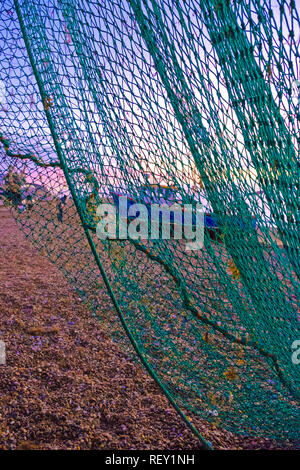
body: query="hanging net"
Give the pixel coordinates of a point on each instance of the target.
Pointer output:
(189, 101)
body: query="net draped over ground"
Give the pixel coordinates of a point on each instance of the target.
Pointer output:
(201, 96)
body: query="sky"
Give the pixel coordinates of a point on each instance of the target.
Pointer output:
(125, 105)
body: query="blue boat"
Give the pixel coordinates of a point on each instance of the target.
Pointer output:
(164, 195)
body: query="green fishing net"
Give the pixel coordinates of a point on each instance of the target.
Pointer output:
(197, 99)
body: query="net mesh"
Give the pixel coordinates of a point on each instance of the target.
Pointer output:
(193, 100)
